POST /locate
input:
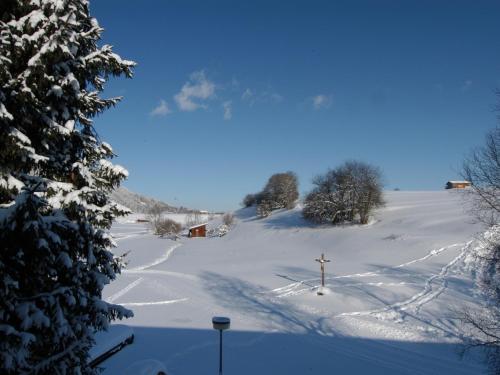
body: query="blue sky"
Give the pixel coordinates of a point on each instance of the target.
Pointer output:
(227, 93)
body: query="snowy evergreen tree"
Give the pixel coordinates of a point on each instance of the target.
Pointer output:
(55, 177)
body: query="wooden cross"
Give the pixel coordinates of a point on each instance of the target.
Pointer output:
(322, 262)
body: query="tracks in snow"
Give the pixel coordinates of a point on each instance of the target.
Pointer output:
(416, 301)
(304, 286)
(155, 303)
(119, 236)
(144, 270)
(433, 286)
(147, 272)
(123, 291)
(157, 261)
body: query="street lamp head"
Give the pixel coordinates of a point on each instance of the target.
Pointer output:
(221, 323)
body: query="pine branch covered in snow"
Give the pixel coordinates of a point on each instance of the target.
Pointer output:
(55, 181)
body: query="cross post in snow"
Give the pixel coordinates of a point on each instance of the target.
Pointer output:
(322, 262)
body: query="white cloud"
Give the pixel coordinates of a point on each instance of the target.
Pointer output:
(228, 110)
(321, 101)
(466, 86)
(272, 97)
(252, 97)
(198, 87)
(161, 109)
(247, 95)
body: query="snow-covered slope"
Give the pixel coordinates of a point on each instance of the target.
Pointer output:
(141, 204)
(393, 291)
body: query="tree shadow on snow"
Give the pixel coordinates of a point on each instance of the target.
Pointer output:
(289, 220)
(246, 214)
(390, 291)
(186, 351)
(240, 295)
(297, 274)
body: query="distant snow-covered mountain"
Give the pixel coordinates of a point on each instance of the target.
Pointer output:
(141, 204)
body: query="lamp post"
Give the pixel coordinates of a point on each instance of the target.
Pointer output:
(220, 323)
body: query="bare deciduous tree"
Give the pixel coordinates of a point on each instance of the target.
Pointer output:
(482, 326)
(281, 190)
(482, 169)
(192, 219)
(154, 216)
(228, 219)
(346, 193)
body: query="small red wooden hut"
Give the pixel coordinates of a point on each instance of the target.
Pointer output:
(198, 230)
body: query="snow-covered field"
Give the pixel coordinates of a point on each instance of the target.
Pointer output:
(180, 218)
(393, 291)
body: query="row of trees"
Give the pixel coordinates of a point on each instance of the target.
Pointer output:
(347, 193)
(281, 191)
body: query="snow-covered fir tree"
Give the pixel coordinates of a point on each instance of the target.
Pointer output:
(55, 177)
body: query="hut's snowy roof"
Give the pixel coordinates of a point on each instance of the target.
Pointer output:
(198, 225)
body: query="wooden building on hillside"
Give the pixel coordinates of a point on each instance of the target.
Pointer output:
(458, 184)
(198, 230)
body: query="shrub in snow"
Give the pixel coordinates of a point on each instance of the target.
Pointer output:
(346, 193)
(55, 178)
(228, 219)
(483, 325)
(154, 217)
(167, 227)
(220, 231)
(487, 268)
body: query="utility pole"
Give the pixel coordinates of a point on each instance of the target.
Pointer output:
(322, 262)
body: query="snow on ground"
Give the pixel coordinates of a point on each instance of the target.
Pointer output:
(393, 289)
(180, 218)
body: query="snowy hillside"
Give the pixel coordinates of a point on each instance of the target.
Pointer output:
(141, 204)
(393, 289)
